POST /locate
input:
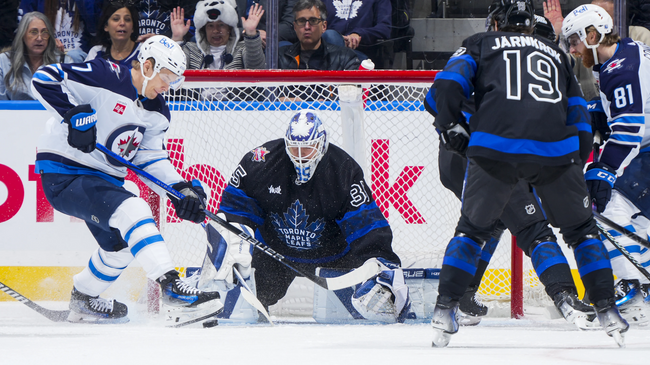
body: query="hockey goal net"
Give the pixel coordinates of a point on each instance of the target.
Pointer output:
(221, 115)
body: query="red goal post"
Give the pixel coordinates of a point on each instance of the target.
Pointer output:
(377, 116)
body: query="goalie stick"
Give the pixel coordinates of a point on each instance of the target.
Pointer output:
(52, 315)
(356, 276)
(623, 251)
(248, 295)
(622, 230)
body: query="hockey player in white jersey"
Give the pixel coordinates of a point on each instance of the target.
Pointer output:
(618, 180)
(102, 102)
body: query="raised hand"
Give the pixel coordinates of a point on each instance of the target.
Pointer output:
(553, 13)
(254, 16)
(178, 24)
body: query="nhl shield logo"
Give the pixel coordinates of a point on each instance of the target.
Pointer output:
(585, 201)
(259, 154)
(530, 209)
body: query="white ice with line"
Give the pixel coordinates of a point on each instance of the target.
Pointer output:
(28, 338)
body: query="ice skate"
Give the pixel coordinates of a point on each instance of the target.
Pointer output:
(444, 321)
(574, 310)
(631, 302)
(178, 293)
(645, 292)
(470, 309)
(611, 321)
(87, 309)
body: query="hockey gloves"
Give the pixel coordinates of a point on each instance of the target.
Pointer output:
(190, 208)
(600, 181)
(384, 297)
(456, 138)
(82, 132)
(599, 124)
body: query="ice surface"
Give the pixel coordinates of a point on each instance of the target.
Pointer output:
(28, 338)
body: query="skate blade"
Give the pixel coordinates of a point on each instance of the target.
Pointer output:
(584, 324)
(74, 317)
(440, 338)
(466, 320)
(619, 338)
(183, 316)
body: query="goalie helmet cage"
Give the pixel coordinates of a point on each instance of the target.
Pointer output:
(376, 116)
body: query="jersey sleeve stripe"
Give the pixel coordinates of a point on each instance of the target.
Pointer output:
(358, 223)
(463, 82)
(524, 146)
(239, 204)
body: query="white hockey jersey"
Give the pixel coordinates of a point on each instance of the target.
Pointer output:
(625, 94)
(121, 116)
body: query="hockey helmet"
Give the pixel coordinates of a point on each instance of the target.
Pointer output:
(574, 26)
(166, 54)
(306, 143)
(511, 13)
(543, 28)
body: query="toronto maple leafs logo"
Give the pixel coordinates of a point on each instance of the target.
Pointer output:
(152, 20)
(347, 9)
(295, 230)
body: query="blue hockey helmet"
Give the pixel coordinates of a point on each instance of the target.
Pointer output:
(306, 143)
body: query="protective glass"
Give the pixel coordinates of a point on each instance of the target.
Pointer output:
(312, 21)
(173, 80)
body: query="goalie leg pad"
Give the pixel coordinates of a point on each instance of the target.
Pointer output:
(384, 298)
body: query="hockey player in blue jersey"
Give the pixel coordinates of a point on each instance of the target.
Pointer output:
(120, 107)
(307, 199)
(531, 123)
(618, 180)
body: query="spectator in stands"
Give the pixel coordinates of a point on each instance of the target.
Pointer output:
(311, 51)
(639, 14)
(8, 22)
(363, 25)
(217, 43)
(117, 33)
(33, 46)
(74, 23)
(285, 19)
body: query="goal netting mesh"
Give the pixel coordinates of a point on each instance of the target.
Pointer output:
(377, 116)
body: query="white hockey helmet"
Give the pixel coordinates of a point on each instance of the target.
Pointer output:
(577, 22)
(166, 54)
(306, 143)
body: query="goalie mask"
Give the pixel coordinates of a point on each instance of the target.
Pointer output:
(306, 143)
(166, 54)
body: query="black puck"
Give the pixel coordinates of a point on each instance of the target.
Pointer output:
(211, 323)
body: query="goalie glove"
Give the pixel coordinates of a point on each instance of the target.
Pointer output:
(227, 250)
(82, 132)
(191, 207)
(385, 296)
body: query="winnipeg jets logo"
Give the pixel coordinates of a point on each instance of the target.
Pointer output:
(275, 190)
(530, 209)
(125, 141)
(347, 9)
(295, 230)
(114, 67)
(259, 154)
(614, 65)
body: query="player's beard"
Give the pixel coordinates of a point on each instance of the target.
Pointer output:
(588, 58)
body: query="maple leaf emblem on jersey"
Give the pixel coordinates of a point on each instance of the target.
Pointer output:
(259, 154)
(615, 64)
(295, 230)
(347, 9)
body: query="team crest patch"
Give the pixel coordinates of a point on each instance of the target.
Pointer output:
(614, 65)
(295, 230)
(459, 52)
(119, 108)
(530, 209)
(259, 154)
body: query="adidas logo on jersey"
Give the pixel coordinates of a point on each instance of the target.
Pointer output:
(119, 108)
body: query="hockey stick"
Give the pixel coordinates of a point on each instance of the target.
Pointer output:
(52, 315)
(623, 251)
(622, 230)
(248, 295)
(199, 319)
(356, 276)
